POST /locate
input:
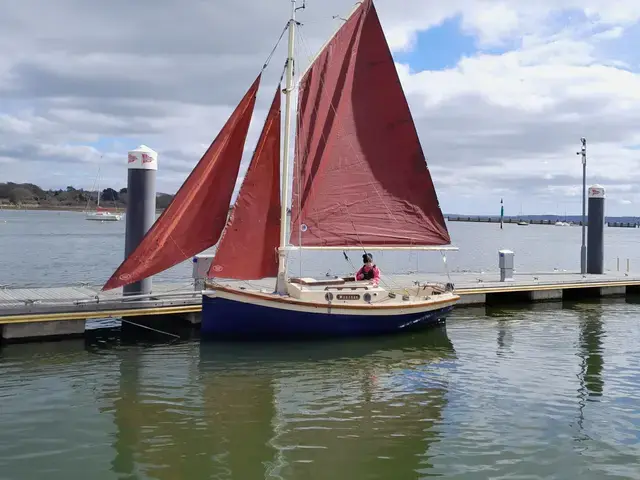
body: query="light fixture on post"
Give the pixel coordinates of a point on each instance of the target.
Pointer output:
(583, 247)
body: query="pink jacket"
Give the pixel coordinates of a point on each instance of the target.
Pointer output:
(365, 268)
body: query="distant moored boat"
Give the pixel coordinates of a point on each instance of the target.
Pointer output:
(104, 215)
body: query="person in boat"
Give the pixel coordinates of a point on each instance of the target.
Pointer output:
(368, 271)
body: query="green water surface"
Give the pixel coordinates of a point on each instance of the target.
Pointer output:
(548, 391)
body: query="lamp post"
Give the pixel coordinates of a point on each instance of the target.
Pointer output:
(583, 248)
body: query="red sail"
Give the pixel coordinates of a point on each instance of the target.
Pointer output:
(195, 218)
(248, 247)
(360, 175)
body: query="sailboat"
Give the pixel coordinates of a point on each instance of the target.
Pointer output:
(563, 223)
(360, 182)
(520, 220)
(101, 214)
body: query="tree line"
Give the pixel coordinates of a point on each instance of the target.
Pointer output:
(28, 194)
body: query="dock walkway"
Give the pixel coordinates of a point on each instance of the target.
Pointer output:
(20, 305)
(87, 302)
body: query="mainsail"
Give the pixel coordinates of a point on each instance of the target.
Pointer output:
(197, 215)
(247, 249)
(360, 175)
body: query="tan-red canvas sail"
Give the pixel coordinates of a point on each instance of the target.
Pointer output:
(247, 249)
(195, 218)
(360, 175)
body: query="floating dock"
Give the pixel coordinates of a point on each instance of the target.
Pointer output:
(63, 311)
(53, 312)
(487, 289)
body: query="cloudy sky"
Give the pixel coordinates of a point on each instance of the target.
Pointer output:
(501, 91)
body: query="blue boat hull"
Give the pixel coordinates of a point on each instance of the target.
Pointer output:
(223, 318)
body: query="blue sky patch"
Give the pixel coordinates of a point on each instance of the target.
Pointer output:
(442, 47)
(623, 48)
(107, 144)
(439, 48)
(569, 18)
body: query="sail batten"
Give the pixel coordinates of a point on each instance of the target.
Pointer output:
(360, 175)
(197, 215)
(247, 249)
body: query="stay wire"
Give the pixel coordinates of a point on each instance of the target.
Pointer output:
(284, 30)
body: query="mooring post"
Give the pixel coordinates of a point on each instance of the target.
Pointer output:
(595, 237)
(141, 206)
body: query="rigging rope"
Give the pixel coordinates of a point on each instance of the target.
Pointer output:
(266, 63)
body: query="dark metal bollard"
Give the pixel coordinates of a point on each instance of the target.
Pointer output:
(595, 230)
(141, 206)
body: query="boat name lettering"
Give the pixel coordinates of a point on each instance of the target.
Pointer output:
(347, 296)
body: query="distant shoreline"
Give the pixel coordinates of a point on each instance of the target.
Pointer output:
(68, 208)
(54, 208)
(28, 196)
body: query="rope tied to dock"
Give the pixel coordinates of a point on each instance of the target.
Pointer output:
(176, 337)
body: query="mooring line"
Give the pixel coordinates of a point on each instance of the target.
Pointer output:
(152, 329)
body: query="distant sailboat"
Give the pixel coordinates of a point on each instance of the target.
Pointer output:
(360, 183)
(101, 214)
(520, 220)
(563, 223)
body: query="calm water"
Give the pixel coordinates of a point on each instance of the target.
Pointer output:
(545, 391)
(62, 248)
(548, 392)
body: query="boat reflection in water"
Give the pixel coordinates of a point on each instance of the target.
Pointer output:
(350, 408)
(370, 408)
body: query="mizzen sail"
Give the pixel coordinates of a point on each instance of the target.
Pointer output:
(360, 175)
(195, 218)
(248, 247)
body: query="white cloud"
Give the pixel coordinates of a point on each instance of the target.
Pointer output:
(81, 85)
